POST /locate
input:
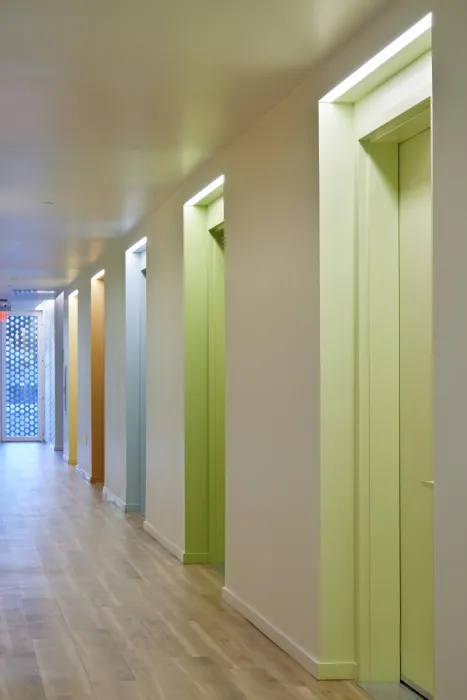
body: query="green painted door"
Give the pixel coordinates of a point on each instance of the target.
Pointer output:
(416, 414)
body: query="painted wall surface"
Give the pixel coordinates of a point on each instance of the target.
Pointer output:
(272, 316)
(84, 375)
(272, 307)
(450, 346)
(272, 367)
(48, 318)
(196, 289)
(65, 374)
(133, 302)
(142, 425)
(58, 321)
(73, 391)
(272, 330)
(115, 409)
(165, 442)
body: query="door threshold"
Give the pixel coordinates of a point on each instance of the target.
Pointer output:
(389, 691)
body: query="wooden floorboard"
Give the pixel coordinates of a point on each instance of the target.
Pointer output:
(92, 607)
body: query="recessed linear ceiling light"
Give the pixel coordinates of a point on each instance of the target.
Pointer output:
(138, 246)
(204, 193)
(99, 275)
(33, 291)
(380, 59)
(73, 294)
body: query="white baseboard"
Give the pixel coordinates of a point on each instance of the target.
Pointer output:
(109, 496)
(166, 543)
(81, 472)
(275, 635)
(119, 502)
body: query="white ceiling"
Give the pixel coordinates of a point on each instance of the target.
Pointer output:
(107, 104)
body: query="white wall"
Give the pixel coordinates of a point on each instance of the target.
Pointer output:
(165, 478)
(84, 374)
(133, 304)
(58, 323)
(272, 297)
(115, 413)
(66, 443)
(48, 319)
(450, 346)
(272, 319)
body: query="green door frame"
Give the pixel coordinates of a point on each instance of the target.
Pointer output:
(360, 587)
(204, 301)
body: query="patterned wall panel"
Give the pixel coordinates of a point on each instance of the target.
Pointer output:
(22, 377)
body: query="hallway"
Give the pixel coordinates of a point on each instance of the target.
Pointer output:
(92, 607)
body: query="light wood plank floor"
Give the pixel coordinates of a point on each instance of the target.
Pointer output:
(92, 607)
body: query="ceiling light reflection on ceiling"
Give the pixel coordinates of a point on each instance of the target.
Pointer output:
(380, 59)
(204, 192)
(138, 246)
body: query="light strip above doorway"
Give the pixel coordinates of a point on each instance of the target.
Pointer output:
(99, 275)
(205, 192)
(398, 45)
(138, 247)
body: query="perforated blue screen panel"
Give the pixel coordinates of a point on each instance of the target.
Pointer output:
(22, 377)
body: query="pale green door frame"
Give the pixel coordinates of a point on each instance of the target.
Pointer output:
(204, 344)
(416, 413)
(359, 273)
(216, 395)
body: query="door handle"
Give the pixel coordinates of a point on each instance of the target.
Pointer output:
(428, 484)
